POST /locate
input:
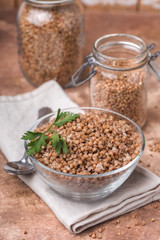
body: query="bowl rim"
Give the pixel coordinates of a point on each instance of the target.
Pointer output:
(96, 175)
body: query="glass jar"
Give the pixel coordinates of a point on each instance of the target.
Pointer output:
(119, 73)
(50, 39)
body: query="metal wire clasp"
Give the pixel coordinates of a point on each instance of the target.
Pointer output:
(151, 46)
(79, 76)
(155, 66)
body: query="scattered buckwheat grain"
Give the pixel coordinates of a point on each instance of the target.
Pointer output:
(152, 220)
(155, 147)
(143, 223)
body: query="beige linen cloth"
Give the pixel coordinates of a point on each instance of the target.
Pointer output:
(17, 114)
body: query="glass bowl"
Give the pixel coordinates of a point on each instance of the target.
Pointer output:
(87, 187)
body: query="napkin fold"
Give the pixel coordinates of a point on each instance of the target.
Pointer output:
(18, 113)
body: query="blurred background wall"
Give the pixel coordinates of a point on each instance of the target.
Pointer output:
(108, 4)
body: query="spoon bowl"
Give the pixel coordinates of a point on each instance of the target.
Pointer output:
(22, 167)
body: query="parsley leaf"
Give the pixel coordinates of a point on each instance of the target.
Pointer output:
(64, 146)
(35, 145)
(30, 135)
(59, 147)
(54, 140)
(58, 143)
(64, 117)
(38, 139)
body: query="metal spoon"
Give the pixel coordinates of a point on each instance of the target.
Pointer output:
(23, 166)
(19, 167)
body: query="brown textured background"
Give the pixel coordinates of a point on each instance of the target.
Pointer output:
(23, 215)
(136, 5)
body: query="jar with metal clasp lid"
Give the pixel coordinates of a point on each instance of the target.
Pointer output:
(50, 39)
(118, 68)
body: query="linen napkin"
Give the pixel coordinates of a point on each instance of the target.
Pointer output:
(17, 114)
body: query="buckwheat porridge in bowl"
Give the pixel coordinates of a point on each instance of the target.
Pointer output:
(84, 153)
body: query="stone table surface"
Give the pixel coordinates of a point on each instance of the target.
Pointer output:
(23, 215)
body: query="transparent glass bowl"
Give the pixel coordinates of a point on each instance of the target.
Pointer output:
(87, 187)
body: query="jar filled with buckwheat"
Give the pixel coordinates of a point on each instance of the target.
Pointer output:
(50, 39)
(118, 72)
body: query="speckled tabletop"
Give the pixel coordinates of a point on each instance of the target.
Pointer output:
(23, 215)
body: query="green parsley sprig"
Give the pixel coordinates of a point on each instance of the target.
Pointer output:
(38, 139)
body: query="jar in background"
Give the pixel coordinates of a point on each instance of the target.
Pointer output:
(119, 73)
(50, 38)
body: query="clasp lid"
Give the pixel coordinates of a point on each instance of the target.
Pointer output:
(81, 76)
(154, 61)
(87, 70)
